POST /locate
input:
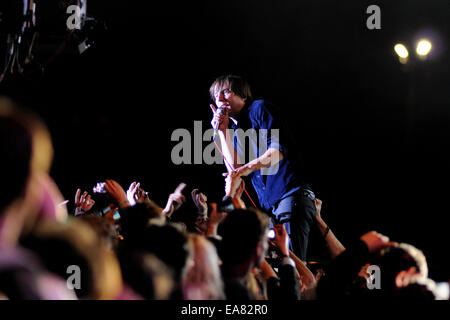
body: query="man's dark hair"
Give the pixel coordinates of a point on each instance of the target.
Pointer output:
(241, 231)
(237, 84)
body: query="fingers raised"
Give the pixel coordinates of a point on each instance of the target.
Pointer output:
(180, 188)
(77, 196)
(83, 197)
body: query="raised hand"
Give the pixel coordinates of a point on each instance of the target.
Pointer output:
(200, 201)
(215, 219)
(135, 193)
(282, 239)
(232, 182)
(318, 205)
(176, 199)
(116, 192)
(83, 203)
(131, 193)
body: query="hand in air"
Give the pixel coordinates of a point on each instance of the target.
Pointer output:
(84, 203)
(135, 193)
(176, 199)
(200, 201)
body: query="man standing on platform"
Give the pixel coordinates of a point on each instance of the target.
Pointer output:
(237, 117)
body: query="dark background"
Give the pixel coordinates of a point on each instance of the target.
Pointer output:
(373, 134)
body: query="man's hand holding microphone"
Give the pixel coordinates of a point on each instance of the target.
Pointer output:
(220, 118)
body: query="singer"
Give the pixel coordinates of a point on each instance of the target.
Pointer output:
(279, 191)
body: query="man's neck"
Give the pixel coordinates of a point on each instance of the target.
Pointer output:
(235, 113)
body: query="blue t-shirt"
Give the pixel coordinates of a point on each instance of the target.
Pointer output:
(255, 132)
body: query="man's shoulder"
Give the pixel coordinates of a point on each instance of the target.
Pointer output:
(257, 104)
(258, 107)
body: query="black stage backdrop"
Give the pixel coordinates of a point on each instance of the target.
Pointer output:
(373, 134)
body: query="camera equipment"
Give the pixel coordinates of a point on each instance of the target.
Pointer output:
(107, 211)
(33, 33)
(226, 205)
(99, 188)
(271, 234)
(116, 215)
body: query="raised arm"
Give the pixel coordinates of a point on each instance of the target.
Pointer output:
(176, 199)
(306, 276)
(334, 245)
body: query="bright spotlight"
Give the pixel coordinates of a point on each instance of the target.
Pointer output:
(401, 51)
(423, 47)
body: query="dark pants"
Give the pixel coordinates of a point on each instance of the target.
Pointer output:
(297, 213)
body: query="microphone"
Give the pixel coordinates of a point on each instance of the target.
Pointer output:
(222, 111)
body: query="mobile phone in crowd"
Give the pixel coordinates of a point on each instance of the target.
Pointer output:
(226, 205)
(107, 210)
(99, 188)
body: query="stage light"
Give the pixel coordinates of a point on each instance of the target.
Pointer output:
(401, 51)
(423, 47)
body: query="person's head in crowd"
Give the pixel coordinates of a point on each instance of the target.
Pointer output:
(411, 286)
(27, 190)
(65, 248)
(401, 265)
(134, 220)
(22, 277)
(203, 280)
(187, 215)
(244, 240)
(147, 275)
(170, 244)
(104, 228)
(201, 224)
